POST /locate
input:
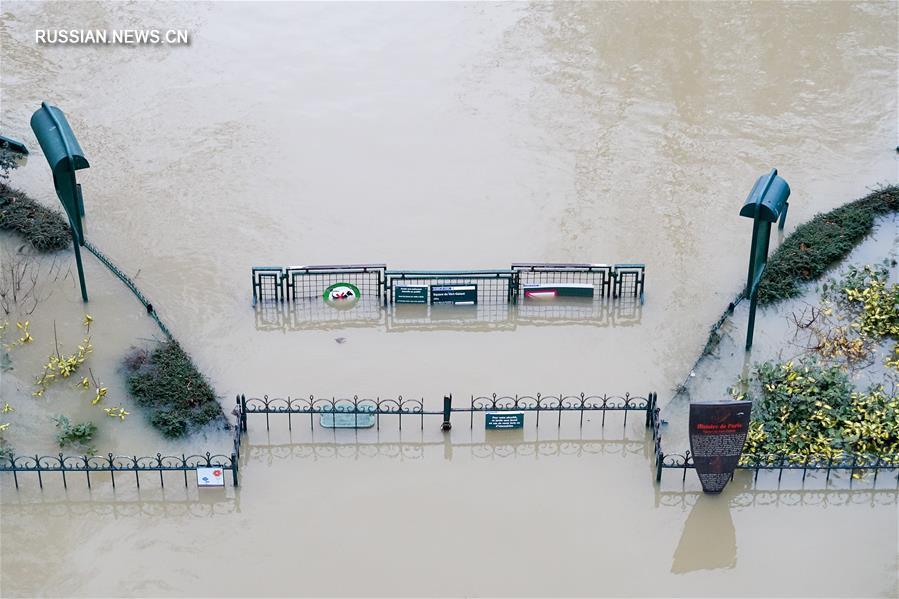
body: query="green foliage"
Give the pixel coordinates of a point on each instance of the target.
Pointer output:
(871, 302)
(6, 452)
(820, 243)
(77, 435)
(8, 161)
(47, 230)
(809, 409)
(177, 397)
(876, 302)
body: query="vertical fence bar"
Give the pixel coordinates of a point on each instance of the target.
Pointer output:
(111, 470)
(234, 460)
(87, 471)
(136, 473)
(447, 412)
(37, 466)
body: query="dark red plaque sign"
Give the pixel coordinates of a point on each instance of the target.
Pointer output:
(717, 432)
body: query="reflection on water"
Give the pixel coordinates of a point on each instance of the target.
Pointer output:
(116, 507)
(708, 540)
(493, 317)
(416, 450)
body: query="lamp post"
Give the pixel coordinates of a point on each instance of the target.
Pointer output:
(767, 203)
(65, 156)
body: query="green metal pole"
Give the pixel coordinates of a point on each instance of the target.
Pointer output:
(750, 278)
(77, 246)
(751, 329)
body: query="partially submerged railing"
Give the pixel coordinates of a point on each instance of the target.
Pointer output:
(415, 407)
(295, 283)
(116, 464)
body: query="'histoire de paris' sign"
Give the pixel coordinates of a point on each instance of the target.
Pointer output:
(718, 430)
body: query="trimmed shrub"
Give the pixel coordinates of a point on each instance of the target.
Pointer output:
(46, 229)
(820, 243)
(176, 396)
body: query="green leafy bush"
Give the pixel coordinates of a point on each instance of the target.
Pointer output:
(820, 243)
(78, 436)
(177, 397)
(870, 302)
(46, 230)
(809, 409)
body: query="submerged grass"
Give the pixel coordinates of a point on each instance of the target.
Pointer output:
(825, 240)
(166, 383)
(46, 229)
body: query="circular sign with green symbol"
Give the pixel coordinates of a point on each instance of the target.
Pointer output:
(341, 295)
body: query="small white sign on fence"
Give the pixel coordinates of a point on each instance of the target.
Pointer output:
(210, 477)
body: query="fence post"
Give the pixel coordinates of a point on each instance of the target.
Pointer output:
(234, 468)
(447, 410)
(243, 413)
(659, 460)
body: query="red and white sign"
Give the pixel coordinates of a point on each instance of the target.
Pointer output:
(210, 477)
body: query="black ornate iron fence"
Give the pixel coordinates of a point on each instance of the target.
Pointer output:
(116, 464)
(852, 463)
(559, 404)
(318, 406)
(549, 405)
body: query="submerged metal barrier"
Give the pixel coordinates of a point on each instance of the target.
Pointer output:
(113, 464)
(294, 283)
(415, 407)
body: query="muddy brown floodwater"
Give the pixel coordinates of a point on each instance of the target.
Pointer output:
(443, 136)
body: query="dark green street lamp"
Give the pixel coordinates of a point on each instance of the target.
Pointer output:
(64, 155)
(767, 203)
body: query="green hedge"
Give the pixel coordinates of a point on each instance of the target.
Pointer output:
(46, 229)
(167, 384)
(826, 239)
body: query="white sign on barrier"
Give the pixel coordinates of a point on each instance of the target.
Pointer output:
(210, 477)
